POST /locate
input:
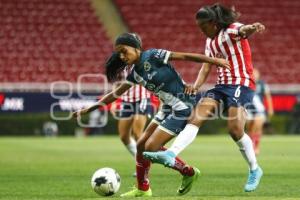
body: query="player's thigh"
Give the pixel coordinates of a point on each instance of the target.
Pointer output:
(124, 128)
(203, 110)
(146, 134)
(138, 125)
(158, 139)
(171, 126)
(238, 98)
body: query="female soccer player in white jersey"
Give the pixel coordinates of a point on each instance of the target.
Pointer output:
(235, 86)
(151, 68)
(258, 114)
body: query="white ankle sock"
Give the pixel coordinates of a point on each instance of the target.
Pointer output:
(185, 137)
(131, 147)
(246, 148)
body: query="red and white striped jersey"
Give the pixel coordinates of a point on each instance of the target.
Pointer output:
(135, 93)
(230, 46)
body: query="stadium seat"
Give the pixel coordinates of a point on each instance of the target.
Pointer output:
(162, 24)
(42, 40)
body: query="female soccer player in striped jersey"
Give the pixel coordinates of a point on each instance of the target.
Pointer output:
(235, 86)
(153, 70)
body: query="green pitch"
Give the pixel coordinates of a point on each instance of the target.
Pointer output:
(61, 168)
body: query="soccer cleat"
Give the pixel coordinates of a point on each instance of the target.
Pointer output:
(166, 158)
(253, 179)
(187, 182)
(137, 193)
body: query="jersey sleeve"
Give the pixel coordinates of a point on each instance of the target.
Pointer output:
(161, 55)
(233, 30)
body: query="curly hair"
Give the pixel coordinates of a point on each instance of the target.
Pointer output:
(219, 14)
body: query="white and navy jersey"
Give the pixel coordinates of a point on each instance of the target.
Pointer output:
(135, 93)
(155, 73)
(230, 46)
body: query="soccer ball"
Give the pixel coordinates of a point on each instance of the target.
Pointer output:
(106, 181)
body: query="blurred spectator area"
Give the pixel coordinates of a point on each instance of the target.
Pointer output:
(58, 40)
(171, 25)
(50, 40)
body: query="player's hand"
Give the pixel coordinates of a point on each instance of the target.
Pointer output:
(223, 63)
(189, 89)
(113, 109)
(258, 27)
(78, 113)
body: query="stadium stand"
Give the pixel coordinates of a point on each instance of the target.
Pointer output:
(50, 40)
(171, 25)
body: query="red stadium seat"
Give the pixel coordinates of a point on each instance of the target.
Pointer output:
(162, 24)
(50, 40)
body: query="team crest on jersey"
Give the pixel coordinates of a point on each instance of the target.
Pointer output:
(147, 66)
(150, 86)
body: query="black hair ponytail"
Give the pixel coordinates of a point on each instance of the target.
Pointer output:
(114, 66)
(219, 14)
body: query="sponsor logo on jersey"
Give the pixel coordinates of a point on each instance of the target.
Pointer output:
(150, 76)
(147, 66)
(150, 86)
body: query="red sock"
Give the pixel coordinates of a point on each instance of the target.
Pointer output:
(253, 138)
(257, 140)
(181, 166)
(142, 170)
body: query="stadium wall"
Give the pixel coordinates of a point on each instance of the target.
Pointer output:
(24, 113)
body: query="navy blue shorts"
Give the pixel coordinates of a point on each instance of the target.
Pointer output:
(171, 121)
(231, 95)
(142, 107)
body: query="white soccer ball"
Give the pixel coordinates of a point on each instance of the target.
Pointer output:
(106, 181)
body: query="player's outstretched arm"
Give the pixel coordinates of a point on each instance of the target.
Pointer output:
(107, 99)
(247, 30)
(199, 58)
(202, 76)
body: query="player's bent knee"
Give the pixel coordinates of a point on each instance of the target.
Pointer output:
(140, 145)
(196, 121)
(151, 146)
(236, 132)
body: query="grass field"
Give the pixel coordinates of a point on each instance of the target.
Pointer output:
(60, 168)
